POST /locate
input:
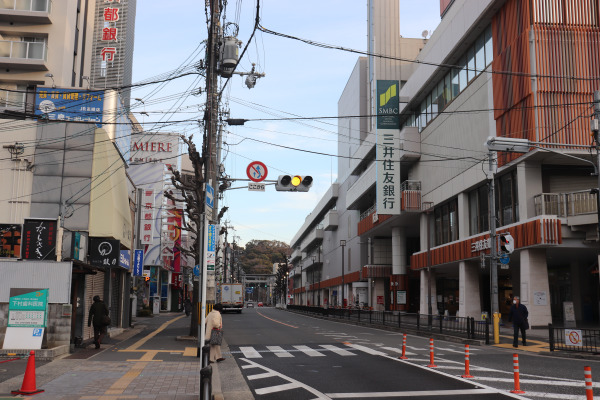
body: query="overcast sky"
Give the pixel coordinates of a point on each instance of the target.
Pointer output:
(301, 80)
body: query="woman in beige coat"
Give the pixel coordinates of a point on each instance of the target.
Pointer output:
(214, 320)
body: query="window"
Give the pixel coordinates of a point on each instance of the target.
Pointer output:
(489, 46)
(470, 64)
(478, 210)
(507, 200)
(446, 222)
(463, 73)
(479, 55)
(447, 89)
(455, 83)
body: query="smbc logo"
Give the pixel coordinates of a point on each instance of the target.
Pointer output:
(384, 98)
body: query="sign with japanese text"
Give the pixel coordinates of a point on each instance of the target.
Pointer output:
(211, 247)
(10, 241)
(69, 105)
(110, 31)
(125, 259)
(39, 239)
(104, 252)
(27, 307)
(138, 262)
(388, 149)
(148, 215)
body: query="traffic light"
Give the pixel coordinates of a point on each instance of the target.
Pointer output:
(289, 183)
(507, 243)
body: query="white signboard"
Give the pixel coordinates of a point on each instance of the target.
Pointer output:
(256, 187)
(26, 318)
(573, 337)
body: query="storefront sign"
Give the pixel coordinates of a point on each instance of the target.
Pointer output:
(388, 149)
(104, 252)
(211, 248)
(125, 259)
(69, 105)
(138, 262)
(39, 239)
(27, 308)
(148, 215)
(401, 297)
(154, 148)
(10, 241)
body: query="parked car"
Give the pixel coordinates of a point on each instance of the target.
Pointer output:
(260, 304)
(249, 304)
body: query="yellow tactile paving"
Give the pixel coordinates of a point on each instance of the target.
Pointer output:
(534, 346)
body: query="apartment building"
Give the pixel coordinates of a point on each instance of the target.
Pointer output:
(513, 69)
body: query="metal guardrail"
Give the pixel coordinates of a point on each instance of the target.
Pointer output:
(463, 327)
(26, 5)
(580, 340)
(566, 204)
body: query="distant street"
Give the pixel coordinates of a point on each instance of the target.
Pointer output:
(289, 356)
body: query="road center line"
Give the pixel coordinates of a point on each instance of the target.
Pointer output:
(274, 320)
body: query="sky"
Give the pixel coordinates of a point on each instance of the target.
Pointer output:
(300, 80)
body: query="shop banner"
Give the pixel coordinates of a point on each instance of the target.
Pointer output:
(39, 239)
(10, 241)
(104, 252)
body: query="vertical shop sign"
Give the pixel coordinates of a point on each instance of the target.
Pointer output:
(148, 214)
(39, 239)
(388, 148)
(110, 32)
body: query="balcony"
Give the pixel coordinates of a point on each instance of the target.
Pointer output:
(296, 255)
(12, 100)
(26, 11)
(411, 196)
(23, 55)
(410, 142)
(580, 208)
(315, 236)
(331, 220)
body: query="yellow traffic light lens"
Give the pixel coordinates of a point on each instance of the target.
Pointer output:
(296, 180)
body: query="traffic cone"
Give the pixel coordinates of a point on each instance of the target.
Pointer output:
(28, 386)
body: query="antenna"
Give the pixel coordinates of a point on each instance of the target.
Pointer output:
(425, 33)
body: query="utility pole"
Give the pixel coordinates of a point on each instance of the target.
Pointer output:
(596, 136)
(493, 252)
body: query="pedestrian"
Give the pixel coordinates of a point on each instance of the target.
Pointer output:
(99, 316)
(187, 306)
(518, 315)
(214, 321)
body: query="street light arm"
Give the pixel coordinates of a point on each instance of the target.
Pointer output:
(567, 155)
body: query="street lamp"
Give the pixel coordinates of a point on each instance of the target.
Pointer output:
(343, 244)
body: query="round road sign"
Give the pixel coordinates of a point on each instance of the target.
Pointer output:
(256, 171)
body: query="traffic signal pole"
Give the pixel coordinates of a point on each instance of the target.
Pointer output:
(493, 253)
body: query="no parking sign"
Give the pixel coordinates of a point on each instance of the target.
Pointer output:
(573, 337)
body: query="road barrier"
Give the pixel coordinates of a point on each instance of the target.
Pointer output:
(579, 340)
(431, 363)
(517, 388)
(403, 356)
(463, 327)
(589, 392)
(467, 363)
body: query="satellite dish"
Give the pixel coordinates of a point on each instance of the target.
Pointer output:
(425, 33)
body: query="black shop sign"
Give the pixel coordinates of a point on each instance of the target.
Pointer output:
(104, 252)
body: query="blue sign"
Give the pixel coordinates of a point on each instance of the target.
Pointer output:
(212, 229)
(37, 332)
(196, 270)
(504, 259)
(138, 262)
(210, 196)
(125, 259)
(249, 290)
(69, 105)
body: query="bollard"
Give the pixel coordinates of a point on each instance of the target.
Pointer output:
(517, 388)
(431, 363)
(206, 383)
(205, 355)
(403, 356)
(467, 366)
(589, 392)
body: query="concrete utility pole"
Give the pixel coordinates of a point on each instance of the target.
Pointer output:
(493, 252)
(596, 135)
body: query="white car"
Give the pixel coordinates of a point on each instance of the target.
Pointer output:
(250, 304)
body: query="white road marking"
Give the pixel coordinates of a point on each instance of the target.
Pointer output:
(536, 382)
(250, 352)
(413, 393)
(337, 350)
(399, 351)
(261, 376)
(278, 388)
(310, 352)
(555, 395)
(366, 350)
(279, 352)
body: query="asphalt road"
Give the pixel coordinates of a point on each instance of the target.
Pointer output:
(291, 356)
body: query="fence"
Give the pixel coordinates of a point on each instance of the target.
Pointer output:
(463, 327)
(579, 340)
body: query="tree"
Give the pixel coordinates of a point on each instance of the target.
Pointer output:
(260, 255)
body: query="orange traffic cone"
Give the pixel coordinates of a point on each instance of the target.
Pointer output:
(28, 386)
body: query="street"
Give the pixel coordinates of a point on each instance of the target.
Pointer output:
(287, 355)
(277, 354)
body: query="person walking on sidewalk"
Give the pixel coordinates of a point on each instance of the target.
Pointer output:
(98, 315)
(214, 321)
(518, 315)
(187, 306)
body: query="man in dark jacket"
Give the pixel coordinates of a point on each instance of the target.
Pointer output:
(98, 311)
(518, 315)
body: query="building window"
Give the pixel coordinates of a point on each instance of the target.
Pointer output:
(446, 223)
(479, 210)
(507, 199)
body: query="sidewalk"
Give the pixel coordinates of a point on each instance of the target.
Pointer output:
(116, 372)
